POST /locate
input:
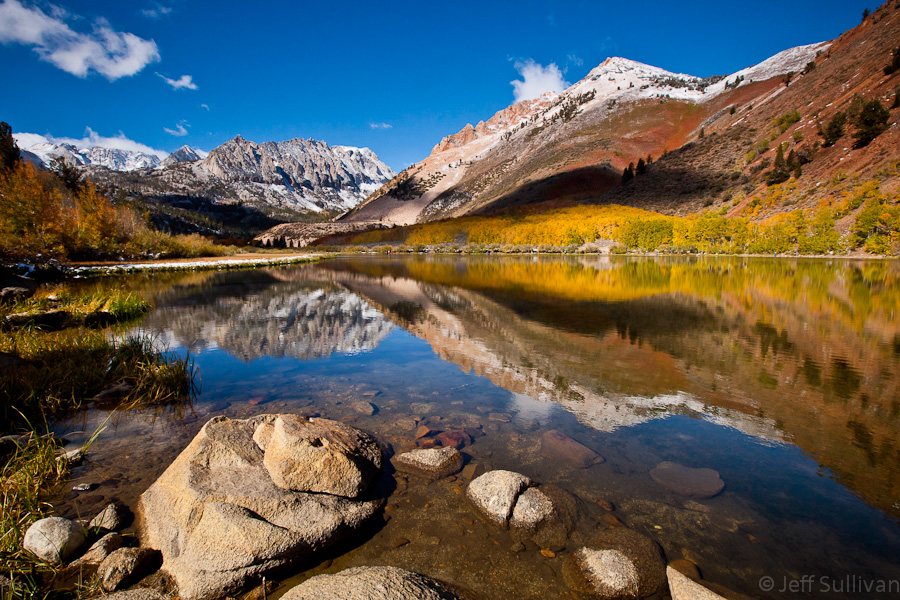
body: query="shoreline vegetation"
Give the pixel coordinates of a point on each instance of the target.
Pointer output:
(868, 217)
(61, 351)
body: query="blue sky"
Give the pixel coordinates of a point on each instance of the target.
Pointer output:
(394, 76)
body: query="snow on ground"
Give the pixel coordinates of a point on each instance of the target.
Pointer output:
(198, 264)
(792, 59)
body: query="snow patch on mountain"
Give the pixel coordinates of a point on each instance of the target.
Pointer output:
(48, 149)
(790, 60)
(184, 154)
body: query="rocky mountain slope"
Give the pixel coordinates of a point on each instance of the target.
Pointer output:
(183, 154)
(572, 147)
(242, 186)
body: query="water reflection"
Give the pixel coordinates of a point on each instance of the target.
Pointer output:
(711, 363)
(288, 319)
(803, 351)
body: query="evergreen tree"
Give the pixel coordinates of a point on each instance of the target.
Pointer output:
(894, 65)
(67, 173)
(834, 130)
(857, 102)
(628, 173)
(702, 133)
(649, 159)
(896, 103)
(793, 163)
(866, 13)
(870, 122)
(641, 167)
(780, 171)
(9, 151)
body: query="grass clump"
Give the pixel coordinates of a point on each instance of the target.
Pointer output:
(51, 372)
(116, 307)
(31, 472)
(57, 372)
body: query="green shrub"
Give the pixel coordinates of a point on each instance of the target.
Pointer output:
(782, 122)
(870, 122)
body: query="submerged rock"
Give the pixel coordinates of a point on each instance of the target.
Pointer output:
(619, 564)
(696, 483)
(607, 574)
(370, 583)
(495, 494)
(431, 464)
(221, 513)
(556, 445)
(54, 539)
(544, 515)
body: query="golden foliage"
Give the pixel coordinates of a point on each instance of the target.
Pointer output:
(41, 218)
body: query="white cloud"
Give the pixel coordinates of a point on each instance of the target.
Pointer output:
(110, 53)
(204, 106)
(179, 131)
(182, 83)
(90, 139)
(381, 126)
(537, 79)
(157, 11)
(574, 60)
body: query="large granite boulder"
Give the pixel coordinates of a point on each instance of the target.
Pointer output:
(370, 583)
(249, 496)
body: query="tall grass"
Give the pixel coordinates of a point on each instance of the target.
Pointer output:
(61, 371)
(119, 305)
(29, 474)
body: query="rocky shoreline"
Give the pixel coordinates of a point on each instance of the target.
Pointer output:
(249, 499)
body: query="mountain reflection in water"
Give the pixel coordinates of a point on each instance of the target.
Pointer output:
(804, 351)
(290, 319)
(779, 374)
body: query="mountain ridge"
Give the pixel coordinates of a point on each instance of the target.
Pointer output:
(469, 170)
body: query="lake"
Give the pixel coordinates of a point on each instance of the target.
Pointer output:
(780, 374)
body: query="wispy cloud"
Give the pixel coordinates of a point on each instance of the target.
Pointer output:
(180, 129)
(381, 126)
(182, 83)
(91, 138)
(110, 53)
(573, 60)
(158, 11)
(537, 79)
(204, 106)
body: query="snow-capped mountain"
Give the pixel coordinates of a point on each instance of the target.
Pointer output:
(611, 117)
(184, 154)
(280, 181)
(111, 158)
(308, 175)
